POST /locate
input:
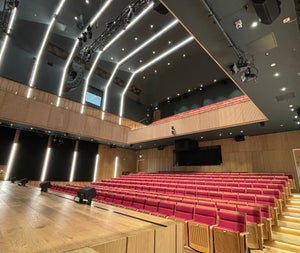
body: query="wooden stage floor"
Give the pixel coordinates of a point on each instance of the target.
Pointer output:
(33, 221)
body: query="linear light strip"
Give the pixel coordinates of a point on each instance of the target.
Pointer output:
(135, 51)
(95, 18)
(11, 160)
(96, 168)
(73, 166)
(37, 62)
(132, 23)
(10, 24)
(116, 166)
(142, 68)
(45, 165)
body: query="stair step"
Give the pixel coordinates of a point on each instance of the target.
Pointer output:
(289, 222)
(280, 247)
(286, 235)
(293, 202)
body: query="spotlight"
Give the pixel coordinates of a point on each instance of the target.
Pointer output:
(45, 185)
(23, 182)
(13, 179)
(248, 76)
(240, 66)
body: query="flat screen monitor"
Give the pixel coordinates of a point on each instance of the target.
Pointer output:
(93, 99)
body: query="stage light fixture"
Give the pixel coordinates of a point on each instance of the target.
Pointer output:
(23, 182)
(248, 76)
(13, 179)
(240, 66)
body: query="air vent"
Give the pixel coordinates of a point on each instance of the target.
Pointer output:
(285, 97)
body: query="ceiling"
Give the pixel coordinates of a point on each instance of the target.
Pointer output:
(201, 61)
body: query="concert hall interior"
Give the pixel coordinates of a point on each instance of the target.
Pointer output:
(153, 126)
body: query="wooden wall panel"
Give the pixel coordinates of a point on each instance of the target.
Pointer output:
(31, 112)
(271, 153)
(127, 161)
(229, 116)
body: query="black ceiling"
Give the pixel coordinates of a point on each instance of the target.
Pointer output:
(184, 69)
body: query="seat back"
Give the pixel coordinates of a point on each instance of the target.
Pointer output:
(166, 208)
(232, 221)
(184, 211)
(205, 215)
(151, 205)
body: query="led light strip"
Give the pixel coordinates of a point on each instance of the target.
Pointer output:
(61, 86)
(147, 65)
(10, 24)
(11, 160)
(37, 62)
(132, 23)
(135, 51)
(116, 166)
(96, 168)
(73, 166)
(45, 165)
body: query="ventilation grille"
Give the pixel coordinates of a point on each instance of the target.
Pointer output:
(285, 97)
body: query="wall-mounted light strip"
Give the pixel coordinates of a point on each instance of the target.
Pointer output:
(135, 51)
(45, 165)
(73, 166)
(147, 65)
(95, 18)
(9, 28)
(116, 166)
(37, 62)
(96, 168)
(132, 23)
(11, 160)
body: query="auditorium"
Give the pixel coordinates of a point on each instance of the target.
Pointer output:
(150, 126)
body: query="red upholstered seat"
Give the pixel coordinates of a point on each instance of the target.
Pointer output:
(226, 206)
(230, 196)
(254, 191)
(232, 221)
(138, 203)
(151, 205)
(205, 215)
(253, 213)
(166, 208)
(247, 197)
(184, 211)
(127, 201)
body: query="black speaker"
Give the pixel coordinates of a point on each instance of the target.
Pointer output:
(86, 193)
(185, 145)
(13, 179)
(160, 8)
(45, 185)
(298, 111)
(267, 10)
(239, 138)
(23, 181)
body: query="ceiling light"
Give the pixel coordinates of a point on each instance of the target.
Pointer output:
(75, 18)
(298, 74)
(201, 137)
(281, 125)
(169, 63)
(276, 74)
(178, 94)
(189, 90)
(291, 106)
(153, 52)
(215, 80)
(112, 58)
(135, 38)
(123, 49)
(155, 71)
(286, 20)
(87, 1)
(168, 98)
(169, 42)
(267, 54)
(220, 134)
(184, 55)
(129, 68)
(296, 117)
(254, 24)
(283, 89)
(141, 61)
(144, 77)
(273, 65)
(151, 26)
(35, 14)
(230, 133)
(298, 122)
(242, 131)
(292, 109)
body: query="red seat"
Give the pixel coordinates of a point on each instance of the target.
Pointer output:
(184, 211)
(138, 203)
(166, 208)
(151, 205)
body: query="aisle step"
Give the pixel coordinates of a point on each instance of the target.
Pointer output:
(286, 235)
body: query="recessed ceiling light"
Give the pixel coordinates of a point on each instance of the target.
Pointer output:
(135, 38)
(169, 63)
(153, 52)
(144, 77)
(242, 131)
(189, 90)
(129, 68)
(254, 24)
(273, 64)
(168, 98)
(201, 85)
(178, 94)
(267, 54)
(283, 89)
(276, 74)
(296, 117)
(155, 71)
(112, 58)
(220, 134)
(292, 109)
(141, 61)
(281, 125)
(215, 80)
(35, 14)
(298, 122)
(151, 26)
(291, 106)
(202, 137)
(298, 74)
(184, 55)
(87, 1)
(123, 49)
(169, 42)
(286, 20)
(230, 133)
(75, 18)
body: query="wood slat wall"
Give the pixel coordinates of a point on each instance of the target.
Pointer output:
(229, 116)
